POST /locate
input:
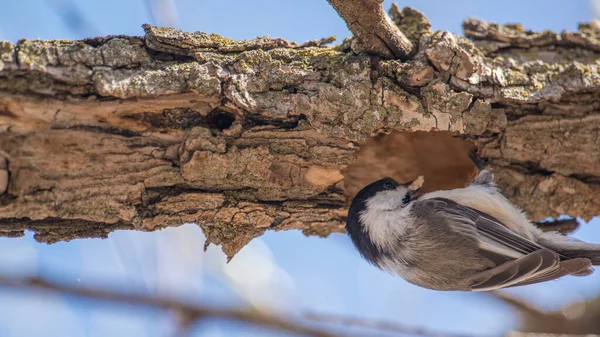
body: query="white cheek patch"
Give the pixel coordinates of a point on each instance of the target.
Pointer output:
(385, 200)
(384, 219)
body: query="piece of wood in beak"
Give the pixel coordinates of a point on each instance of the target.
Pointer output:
(417, 183)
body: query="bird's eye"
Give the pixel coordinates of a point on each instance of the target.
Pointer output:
(406, 199)
(388, 185)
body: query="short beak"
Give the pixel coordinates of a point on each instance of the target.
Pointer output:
(415, 185)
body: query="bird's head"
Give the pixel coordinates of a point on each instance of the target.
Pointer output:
(372, 203)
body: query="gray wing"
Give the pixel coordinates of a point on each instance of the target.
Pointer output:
(518, 259)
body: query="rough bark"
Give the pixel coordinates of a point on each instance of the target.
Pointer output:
(145, 132)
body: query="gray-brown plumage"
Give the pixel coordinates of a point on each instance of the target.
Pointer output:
(469, 239)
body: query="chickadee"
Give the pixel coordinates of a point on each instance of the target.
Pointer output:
(466, 239)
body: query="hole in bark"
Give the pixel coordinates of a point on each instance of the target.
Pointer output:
(442, 159)
(220, 120)
(290, 89)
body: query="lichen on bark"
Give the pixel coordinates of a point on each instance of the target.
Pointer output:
(145, 132)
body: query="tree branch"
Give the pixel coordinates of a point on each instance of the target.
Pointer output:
(521, 305)
(563, 226)
(243, 136)
(578, 318)
(373, 30)
(190, 312)
(365, 323)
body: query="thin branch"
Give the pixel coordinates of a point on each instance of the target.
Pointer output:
(318, 43)
(565, 226)
(366, 323)
(191, 312)
(521, 305)
(374, 31)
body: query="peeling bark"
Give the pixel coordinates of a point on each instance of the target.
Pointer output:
(145, 132)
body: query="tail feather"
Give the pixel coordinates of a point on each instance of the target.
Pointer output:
(571, 247)
(577, 267)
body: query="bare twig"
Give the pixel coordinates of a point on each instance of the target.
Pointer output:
(521, 305)
(565, 226)
(366, 323)
(577, 318)
(318, 43)
(191, 312)
(374, 31)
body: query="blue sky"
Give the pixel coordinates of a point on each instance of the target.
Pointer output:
(294, 20)
(284, 271)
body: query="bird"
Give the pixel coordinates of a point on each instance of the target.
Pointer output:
(463, 239)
